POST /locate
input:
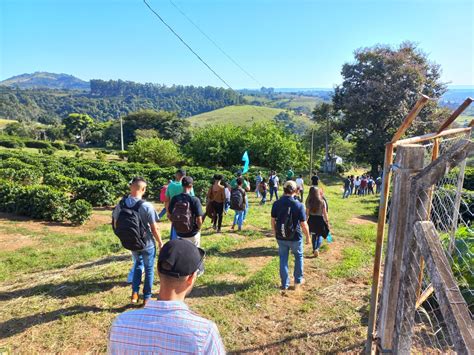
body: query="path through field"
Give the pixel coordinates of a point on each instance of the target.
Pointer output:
(61, 290)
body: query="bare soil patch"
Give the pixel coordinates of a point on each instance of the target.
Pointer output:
(13, 242)
(363, 220)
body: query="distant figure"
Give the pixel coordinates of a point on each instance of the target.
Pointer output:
(258, 180)
(163, 199)
(175, 188)
(216, 196)
(370, 185)
(352, 184)
(237, 203)
(227, 197)
(315, 179)
(347, 187)
(273, 183)
(378, 185)
(135, 222)
(300, 186)
(263, 186)
(290, 175)
(185, 213)
(356, 185)
(166, 325)
(289, 224)
(318, 221)
(363, 186)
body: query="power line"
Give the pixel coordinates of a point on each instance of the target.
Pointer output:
(197, 55)
(187, 45)
(215, 44)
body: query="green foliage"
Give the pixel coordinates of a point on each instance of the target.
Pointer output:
(77, 124)
(37, 144)
(80, 211)
(378, 91)
(154, 150)
(97, 192)
(11, 142)
(48, 151)
(268, 146)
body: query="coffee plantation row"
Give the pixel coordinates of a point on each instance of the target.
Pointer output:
(62, 188)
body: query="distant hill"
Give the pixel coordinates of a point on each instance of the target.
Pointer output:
(246, 115)
(46, 80)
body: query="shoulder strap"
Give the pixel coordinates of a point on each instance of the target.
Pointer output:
(139, 204)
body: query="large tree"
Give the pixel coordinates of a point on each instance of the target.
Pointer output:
(379, 89)
(77, 124)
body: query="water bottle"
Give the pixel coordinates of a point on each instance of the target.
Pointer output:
(329, 238)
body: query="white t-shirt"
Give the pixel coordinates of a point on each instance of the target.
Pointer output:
(275, 180)
(227, 193)
(300, 183)
(357, 182)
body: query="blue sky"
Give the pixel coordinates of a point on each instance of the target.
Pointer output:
(283, 43)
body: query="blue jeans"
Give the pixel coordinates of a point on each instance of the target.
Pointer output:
(246, 209)
(317, 241)
(239, 218)
(144, 259)
(347, 192)
(162, 213)
(296, 247)
(264, 197)
(273, 190)
(132, 270)
(173, 234)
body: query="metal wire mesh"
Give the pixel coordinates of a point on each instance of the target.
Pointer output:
(451, 209)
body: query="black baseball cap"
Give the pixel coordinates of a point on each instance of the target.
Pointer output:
(180, 258)
(187, 181)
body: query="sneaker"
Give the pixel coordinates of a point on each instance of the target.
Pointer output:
(316, 253)
(134, 298)
(218, 230)
(299, 284)
(284, 288)
(214, 227)
(144, 302)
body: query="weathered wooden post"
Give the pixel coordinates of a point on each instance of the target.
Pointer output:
(409, 161)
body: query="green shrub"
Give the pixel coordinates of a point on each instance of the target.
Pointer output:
(80, 211)
(100, 155)
(11, 142)
(97, 193)
(48, 151)
(154, 150)
(71, 147)
(31, 143)
(123, 154)
(58, 145)
(60, 182)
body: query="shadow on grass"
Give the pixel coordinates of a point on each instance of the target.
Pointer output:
(219, 288)
(19, 325)
(272, 347)
(106, 260)
(63, 290)
(250, 252)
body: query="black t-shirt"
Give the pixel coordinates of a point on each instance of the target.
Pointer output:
(315, 180)
(196, 210)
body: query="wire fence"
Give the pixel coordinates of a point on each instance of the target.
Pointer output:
(451, 209)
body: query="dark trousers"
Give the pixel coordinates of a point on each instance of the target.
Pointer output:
(273, 190)
(218, 210)
(301, 195)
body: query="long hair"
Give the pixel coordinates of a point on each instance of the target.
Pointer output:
(314, 202)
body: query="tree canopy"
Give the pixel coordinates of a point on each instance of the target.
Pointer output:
(379, 89)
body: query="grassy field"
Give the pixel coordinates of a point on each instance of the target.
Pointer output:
(4, 122)
(244, 115)
(62, 286)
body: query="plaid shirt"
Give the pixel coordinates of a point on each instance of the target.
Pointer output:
(164, 327)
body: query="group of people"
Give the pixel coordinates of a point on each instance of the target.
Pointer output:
(166, 324)
(361, 185)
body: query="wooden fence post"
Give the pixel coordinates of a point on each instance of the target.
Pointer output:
(409, 161)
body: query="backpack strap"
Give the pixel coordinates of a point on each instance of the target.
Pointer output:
(139, 204)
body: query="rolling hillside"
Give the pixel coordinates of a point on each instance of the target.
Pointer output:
(46, 80)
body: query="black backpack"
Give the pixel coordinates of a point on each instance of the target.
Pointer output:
(271, 182)
(130, 228)
(182, 217)
(285, 226)
(237, 200)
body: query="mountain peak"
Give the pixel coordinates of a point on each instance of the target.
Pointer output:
(47, 80)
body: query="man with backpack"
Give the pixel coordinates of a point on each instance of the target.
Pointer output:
(134, 221)
(185, 213)
(175, 188)
(347, 187)
(258, 180)
(238, 203)
(273, 182)
(289, 224)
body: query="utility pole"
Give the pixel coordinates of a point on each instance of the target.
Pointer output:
(311, 155)
(121, 133)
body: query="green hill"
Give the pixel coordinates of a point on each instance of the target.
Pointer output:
(242, 115)
(46, 80)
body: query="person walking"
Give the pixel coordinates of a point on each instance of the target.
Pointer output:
(378, 185)
(263, 191)
(216, 196)
(370, 185)
(185, 213)
(163, 199)
(258, 180)
(175, 188)
(227, 197)
(315, 179)
(290, 174)
(300, 186)
(273, 183)
(288, 225)
(135, 222)
(352, 185)
(357, 186)
(166, 325)
(347, 187)
(237, 203)
(318, 220)
(363, 185)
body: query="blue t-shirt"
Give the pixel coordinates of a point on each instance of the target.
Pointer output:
(147, 213)
(297, 210)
